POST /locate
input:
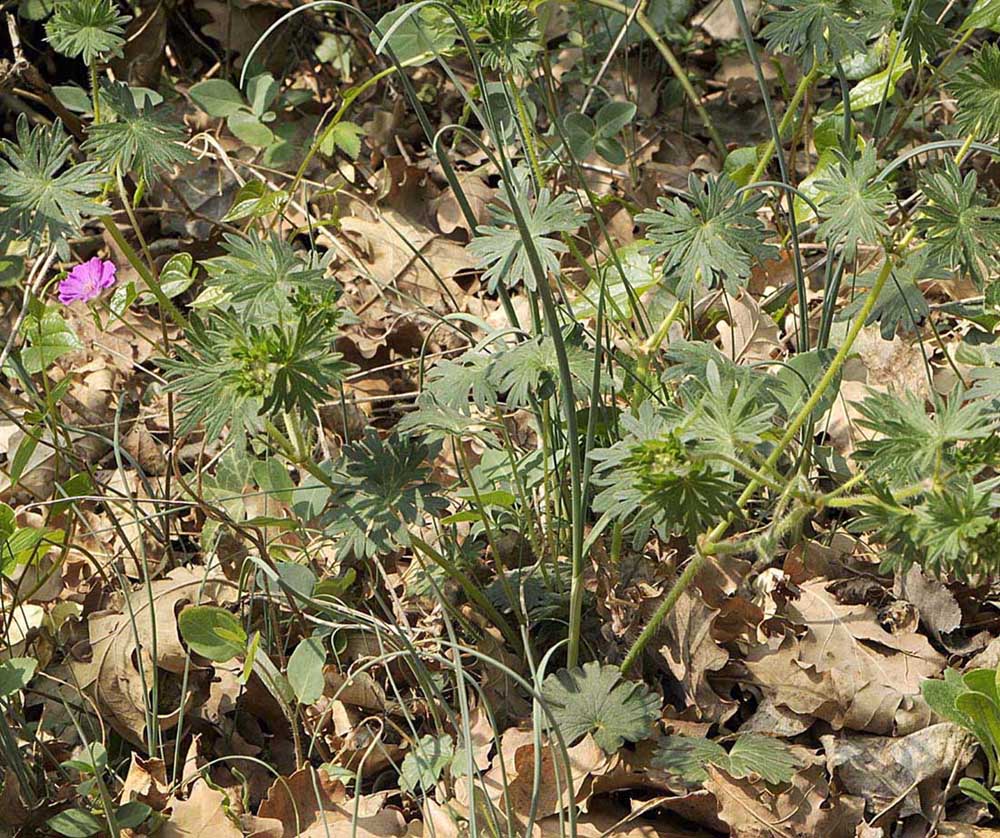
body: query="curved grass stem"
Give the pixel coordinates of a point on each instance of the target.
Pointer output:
(675, 67)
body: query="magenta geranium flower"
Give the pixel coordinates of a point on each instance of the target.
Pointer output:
(87, 280)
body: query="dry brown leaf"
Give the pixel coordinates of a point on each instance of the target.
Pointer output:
(146, 782)
(936, 605)
(113, 670)
(309, 803)
(692, 653)
(799, 810)
(202, 815)
(449, 214)
(883, 769)
(750, 334)
(873, 673)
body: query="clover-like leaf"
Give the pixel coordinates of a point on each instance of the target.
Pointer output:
(751, 755)
(594, 699)
(212, 632)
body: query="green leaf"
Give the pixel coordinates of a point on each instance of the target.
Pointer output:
(49, 337)
(613, 117)
(305, 670)
(710, 238)
(139, 139)
(818, 31)
(978, 792)
(940, 697)
(687, 756)
(92, 760)
(424, 33)
(870, 91)
(501, 249)
(856, 206)
(11, 270)
(961, 230)
(901, 306)
(799, 375)
(977, 89)
(132, 814)
(255, 199)
(212, 632)
(751, 755)
(40, 195)
(423, 765)
(985, 14)
(176, 276)
(75, 823)
(86, 29)
(217, 97)
(764, 757)
(347, 137)
(74, 98)
(594, 699)
(261, 91)
(250, 129)
(15, 673)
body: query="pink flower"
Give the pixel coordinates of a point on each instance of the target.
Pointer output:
(87, 281)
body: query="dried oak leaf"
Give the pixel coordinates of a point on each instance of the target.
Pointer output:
(803, 808)
(202, 815)
(309, 804)
(874, 674)
(121, 655)
(692, 653)
(884, 769)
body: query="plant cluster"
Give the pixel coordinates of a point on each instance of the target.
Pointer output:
(620, 461)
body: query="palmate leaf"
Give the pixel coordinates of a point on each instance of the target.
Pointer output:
(384, 488)
(139, 139)
(267, 281)
(232, 372)
(86, 29)
(39, 194)
(960, 229)
(500, 249)
(901, 306)
(855, 206)
(817, 30)
(751, 755)
(711, 237)
(977, 89)
(912, 443)
(594, 699)
(532, 368)
(452, 383)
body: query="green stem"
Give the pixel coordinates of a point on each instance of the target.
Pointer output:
(675, 68)
(95, 91)
(151, 281)
(716, 534)
(650, 345)
(786, 122)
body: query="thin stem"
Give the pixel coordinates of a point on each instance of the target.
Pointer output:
(716, 534)
(786, 122)
(151, 281)
(675, 68)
